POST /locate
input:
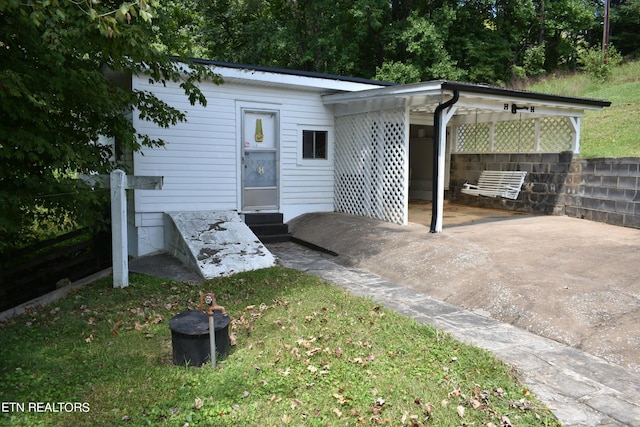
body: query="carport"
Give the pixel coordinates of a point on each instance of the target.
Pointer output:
(398, 139)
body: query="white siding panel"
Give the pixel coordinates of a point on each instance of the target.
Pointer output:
(200, 161)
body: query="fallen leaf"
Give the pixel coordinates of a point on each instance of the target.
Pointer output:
(286, 419)
(428, 408)
(337, 412)
(199, 403)
(314, 351)
(312, 368)
(114, 330)
(460, 411)
(295, 403)
(341, 399)
(285, 372)
(475, 404)
(89, 338)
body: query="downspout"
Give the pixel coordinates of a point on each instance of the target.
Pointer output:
(437, 118)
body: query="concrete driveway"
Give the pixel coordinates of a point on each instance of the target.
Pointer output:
(571, 280)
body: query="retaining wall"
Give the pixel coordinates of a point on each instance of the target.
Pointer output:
(604, 190)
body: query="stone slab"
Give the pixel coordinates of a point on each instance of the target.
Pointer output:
(218, 243)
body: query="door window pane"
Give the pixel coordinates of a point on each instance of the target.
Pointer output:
(260, 168)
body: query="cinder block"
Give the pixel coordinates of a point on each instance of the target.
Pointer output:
(628, 182)
(615, 219)
(626, 208)
(602, 169)
(632, 221)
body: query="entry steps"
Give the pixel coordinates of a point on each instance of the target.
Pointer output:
(268, 227)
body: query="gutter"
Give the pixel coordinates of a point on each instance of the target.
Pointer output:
(437, 118)
(523, 94)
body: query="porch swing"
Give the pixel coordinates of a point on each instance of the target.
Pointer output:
(491, 183)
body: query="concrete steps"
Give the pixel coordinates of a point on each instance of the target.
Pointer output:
(268, 227)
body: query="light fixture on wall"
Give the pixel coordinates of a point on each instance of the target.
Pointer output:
(515, 108)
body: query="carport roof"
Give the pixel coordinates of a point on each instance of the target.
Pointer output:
(426, 96)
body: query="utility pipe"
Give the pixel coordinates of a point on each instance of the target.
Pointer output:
(208, 305)
(437, 119)
(212, 341)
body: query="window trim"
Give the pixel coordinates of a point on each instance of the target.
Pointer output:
(300, 146)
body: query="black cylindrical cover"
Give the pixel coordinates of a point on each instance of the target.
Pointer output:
(190, 337)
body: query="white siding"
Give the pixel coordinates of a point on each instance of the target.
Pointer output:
(201, 159)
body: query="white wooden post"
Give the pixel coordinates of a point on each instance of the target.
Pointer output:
(119, 182)
(575, 124)
(120, 252)
(446, 116)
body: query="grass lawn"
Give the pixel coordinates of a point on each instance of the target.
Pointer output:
(307, 353)
(613, 132)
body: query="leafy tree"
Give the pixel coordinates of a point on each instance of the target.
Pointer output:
(336, 37)
(57, 102)
(423, 53)
(569, 24)
(625, 26)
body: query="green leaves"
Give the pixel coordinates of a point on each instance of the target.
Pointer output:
(61, 92)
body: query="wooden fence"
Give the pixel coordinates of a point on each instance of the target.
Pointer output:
(35, 271)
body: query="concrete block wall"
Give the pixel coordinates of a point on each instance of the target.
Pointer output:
(543, 188)
(604, 190)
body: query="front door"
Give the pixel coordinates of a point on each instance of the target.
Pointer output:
(260, 175)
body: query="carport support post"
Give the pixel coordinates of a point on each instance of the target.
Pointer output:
(575, 124)
(442, 115)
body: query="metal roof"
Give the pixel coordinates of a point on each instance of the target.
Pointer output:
(493, 103)
(282, 76)
(351, 94)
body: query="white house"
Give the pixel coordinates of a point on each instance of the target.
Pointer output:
(273, 140)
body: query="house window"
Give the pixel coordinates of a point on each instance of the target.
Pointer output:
(315, 144)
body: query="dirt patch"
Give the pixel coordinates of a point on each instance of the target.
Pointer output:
(571, 280)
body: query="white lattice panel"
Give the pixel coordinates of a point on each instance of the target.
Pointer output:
(371, 165)
(474, 138)
(516, 136)
(556, 135)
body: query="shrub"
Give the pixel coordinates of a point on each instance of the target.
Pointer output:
(593, 62)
